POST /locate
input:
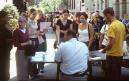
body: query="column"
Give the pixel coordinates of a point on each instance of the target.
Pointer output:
(124, 7)
(117, 8)
(106, 4)
(71, 4)
(97, 4)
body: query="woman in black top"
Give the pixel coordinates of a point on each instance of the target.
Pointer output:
(97, 27)
(63, 24)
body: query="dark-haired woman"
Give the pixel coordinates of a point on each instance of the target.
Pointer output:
(63, 25)
(85, 31)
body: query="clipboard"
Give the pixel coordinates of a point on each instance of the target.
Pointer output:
(44, 25)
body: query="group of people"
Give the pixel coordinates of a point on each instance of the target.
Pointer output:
(74, 38)
(87, 32)
(75, 42)
(28, 38)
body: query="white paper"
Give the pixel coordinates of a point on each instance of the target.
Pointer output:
(95, 58)
(125, 48)
(40, 54)
(37, 59)
(44, 25)
(100, 50)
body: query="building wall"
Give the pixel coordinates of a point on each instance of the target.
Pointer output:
(120, 7)
(89, 5)
(128, 6)
(74, 7)
(81, 6)
(77, 5)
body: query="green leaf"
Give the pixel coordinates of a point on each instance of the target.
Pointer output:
(13, 16)
(50, 5)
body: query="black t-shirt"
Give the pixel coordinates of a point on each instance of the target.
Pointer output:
(75, 26)
(64, 27)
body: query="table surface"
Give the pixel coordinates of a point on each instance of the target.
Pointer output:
(102, 56)
(49, 58)
(43, 57)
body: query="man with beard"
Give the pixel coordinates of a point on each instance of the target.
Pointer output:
(114, 48)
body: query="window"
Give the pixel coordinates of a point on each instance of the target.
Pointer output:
(80, 5)
(82, 1)
(124, 7)
(101, 4)
(74, 4)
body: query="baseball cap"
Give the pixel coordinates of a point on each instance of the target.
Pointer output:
(21, 18)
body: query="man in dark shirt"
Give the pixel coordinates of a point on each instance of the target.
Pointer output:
(5, 47)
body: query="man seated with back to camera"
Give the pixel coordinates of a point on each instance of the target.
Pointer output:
(73, 55)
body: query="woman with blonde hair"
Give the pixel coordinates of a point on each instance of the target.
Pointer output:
(41, 36)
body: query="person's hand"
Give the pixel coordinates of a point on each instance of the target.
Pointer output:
(30, 42)
(40, 34)
(103, 51)
(45, 30)
(63, 31)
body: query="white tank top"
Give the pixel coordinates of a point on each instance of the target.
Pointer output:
(33, 27)
(83, 35)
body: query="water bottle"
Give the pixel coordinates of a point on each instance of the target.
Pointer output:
(43, 57)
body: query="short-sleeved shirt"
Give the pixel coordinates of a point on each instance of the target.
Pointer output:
(128, 24)
(33, 26)
(116, 30)
(72, 61)
(64, 27)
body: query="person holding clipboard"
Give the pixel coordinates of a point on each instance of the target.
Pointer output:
(42, 30)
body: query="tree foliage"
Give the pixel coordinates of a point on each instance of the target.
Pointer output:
(50, 5)
(12, 14)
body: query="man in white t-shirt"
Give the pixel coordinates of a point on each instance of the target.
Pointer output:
(73, 55)
(103, 37)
